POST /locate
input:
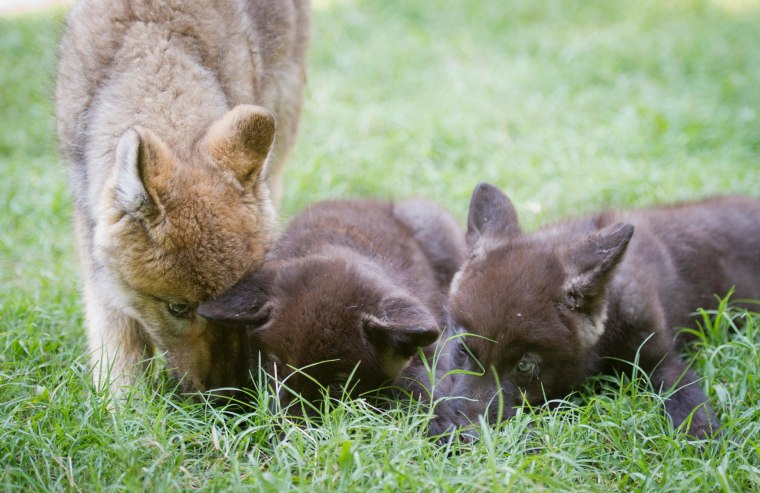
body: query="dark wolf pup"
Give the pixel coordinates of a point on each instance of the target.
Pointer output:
(349, 282)
(585, 296)
(166, 114)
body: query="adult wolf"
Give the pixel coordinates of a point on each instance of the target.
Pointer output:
(161, 116)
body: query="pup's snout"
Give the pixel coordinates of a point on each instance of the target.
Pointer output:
(444, 430)
(450, 421)
(461, 417)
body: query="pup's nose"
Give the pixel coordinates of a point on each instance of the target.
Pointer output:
(444, 430)
(450, 421)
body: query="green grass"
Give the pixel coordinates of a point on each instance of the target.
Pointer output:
(567, 105)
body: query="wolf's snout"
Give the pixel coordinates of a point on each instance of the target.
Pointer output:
(451, 420)
(462, 416)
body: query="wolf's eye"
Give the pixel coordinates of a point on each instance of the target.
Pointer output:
(336, 387)
(180, 310)
(466, 351)
(526, 366)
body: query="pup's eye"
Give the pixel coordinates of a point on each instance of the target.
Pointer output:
(336, 387)
(462, 348)
(526, 366)
(180, 310)
(466, 351)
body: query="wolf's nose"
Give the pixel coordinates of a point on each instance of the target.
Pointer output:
(451, 421)
(444, 430)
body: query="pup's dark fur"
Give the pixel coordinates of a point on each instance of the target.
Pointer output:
(586, 296)
(348, 282)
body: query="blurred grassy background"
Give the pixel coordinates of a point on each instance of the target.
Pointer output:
(567, 105)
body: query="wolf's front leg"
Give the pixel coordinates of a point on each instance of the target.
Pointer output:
(118, 344)
(688, 401)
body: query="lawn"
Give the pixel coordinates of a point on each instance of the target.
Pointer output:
(567, 105)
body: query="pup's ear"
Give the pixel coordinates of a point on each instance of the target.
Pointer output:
(240, 141)
(591, 262)
(144, 169)
(246, 304)
(402, 325)
(491, 215)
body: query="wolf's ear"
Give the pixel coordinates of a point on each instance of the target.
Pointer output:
(240, 141)
(144, 168)
(246, 304)
(402, 326)
(491, 215)
(591, 262)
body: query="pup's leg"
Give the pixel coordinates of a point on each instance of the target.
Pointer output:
(658, 354)
(687, 399)
(118, 344)
(274, 180)
(286, 33)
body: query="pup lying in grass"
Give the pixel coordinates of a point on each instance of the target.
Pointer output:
(592, 295)
(350, 292)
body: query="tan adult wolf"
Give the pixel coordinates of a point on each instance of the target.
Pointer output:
(160, 108)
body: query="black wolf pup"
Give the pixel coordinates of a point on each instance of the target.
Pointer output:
(586, 296)
(349, 282)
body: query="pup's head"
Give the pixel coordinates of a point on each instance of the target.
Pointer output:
(537, 303)
(320, 319)
(174, 232)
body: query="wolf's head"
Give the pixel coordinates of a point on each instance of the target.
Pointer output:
(173, 233)
(321, 320)
(537, 303)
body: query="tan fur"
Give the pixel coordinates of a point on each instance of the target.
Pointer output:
(174, 164)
